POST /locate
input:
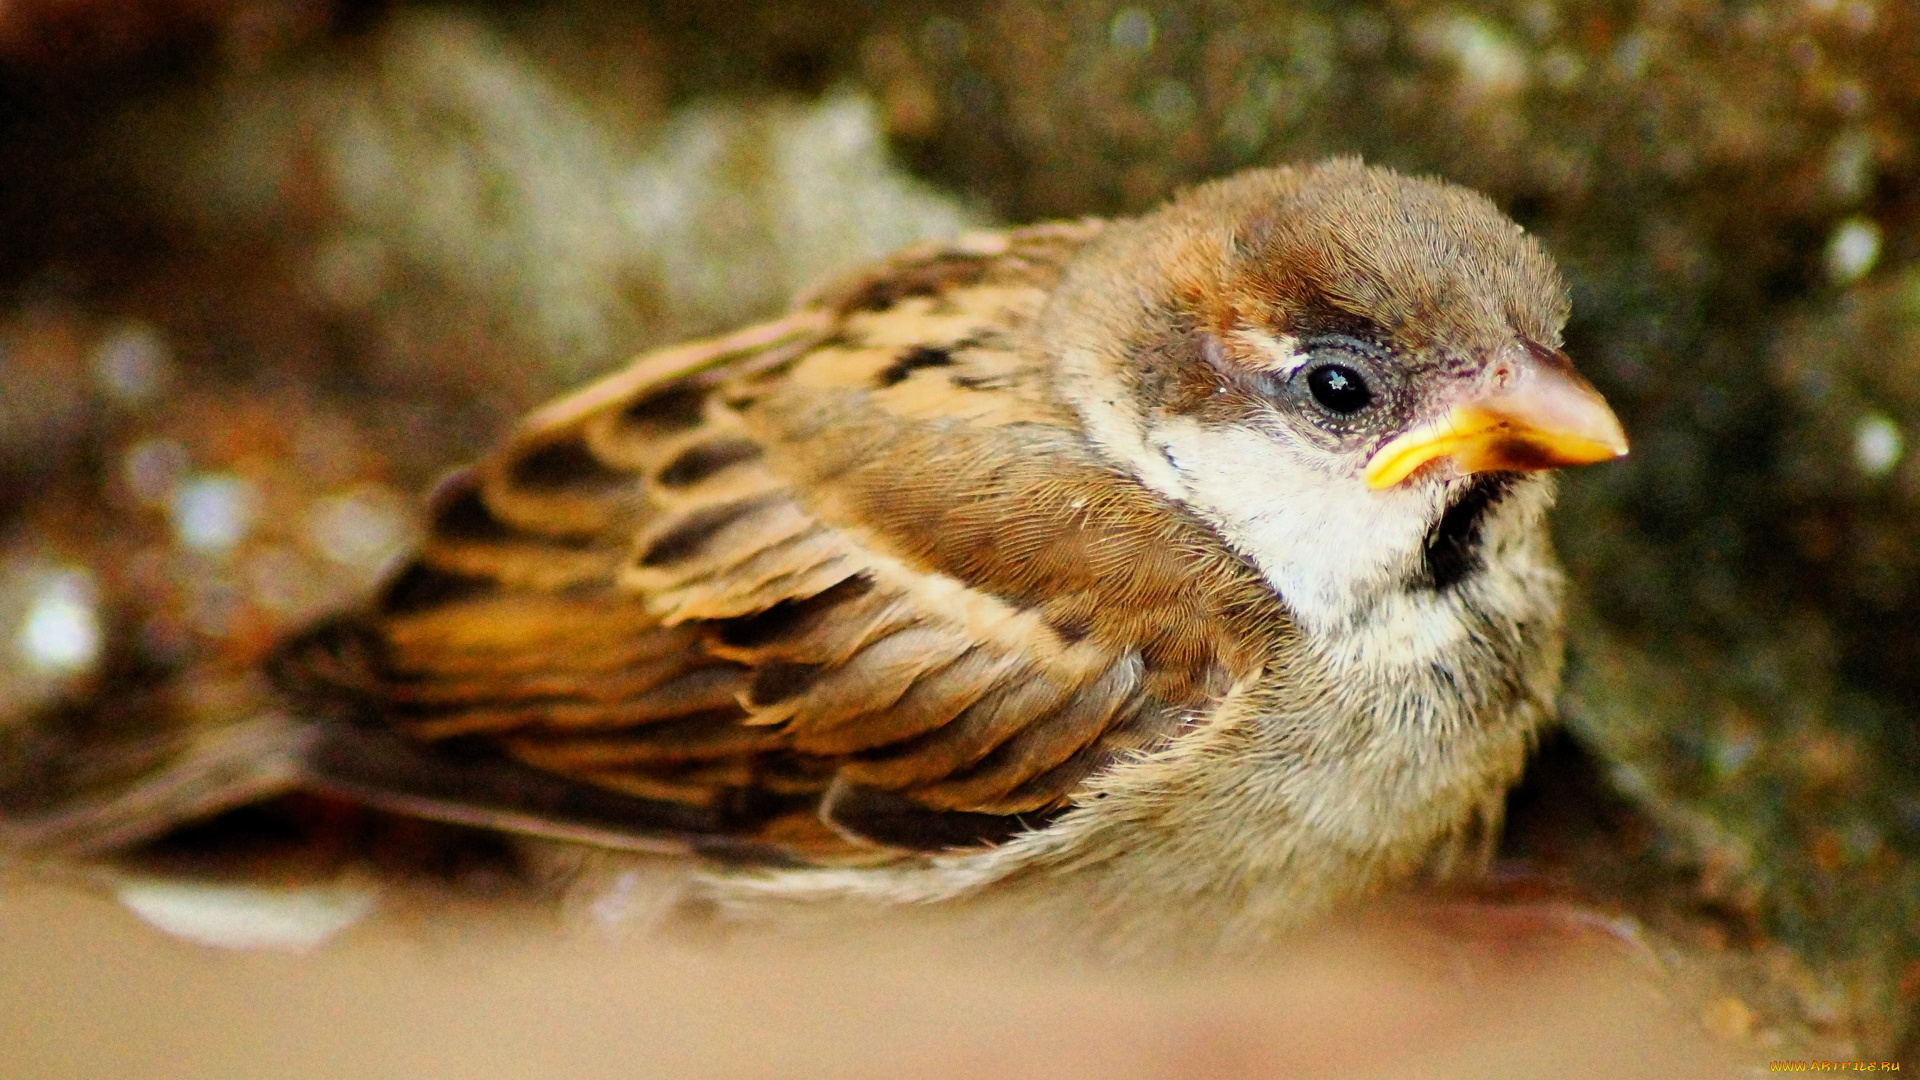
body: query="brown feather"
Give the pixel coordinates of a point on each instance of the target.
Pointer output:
(863, 540)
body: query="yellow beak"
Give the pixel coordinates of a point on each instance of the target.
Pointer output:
(1543, 415)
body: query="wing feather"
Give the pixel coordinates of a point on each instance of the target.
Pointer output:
(854, 568)
(935, 698)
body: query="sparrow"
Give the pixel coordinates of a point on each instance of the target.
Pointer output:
(1185, 571)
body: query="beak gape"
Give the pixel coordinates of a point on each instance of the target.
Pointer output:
(1541, 415)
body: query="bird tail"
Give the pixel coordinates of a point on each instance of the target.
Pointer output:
(95, 780)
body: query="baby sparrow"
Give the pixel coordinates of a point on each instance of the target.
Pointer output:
(1185, 571)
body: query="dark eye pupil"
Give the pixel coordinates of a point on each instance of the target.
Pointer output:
(1339, 388)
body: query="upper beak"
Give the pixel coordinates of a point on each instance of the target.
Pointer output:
(1542, 415)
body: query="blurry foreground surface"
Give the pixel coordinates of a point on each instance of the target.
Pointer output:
(473, 997)
(267, 267)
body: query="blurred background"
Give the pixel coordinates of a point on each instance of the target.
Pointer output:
(268, 267)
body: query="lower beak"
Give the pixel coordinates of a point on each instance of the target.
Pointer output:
(1543, 416)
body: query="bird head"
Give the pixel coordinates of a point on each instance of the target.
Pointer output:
(1330, 357)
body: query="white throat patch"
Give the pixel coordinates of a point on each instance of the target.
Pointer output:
(1331, 547)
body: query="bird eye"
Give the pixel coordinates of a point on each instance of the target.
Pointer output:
(1339, 388)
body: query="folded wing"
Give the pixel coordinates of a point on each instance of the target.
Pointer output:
(834, 587)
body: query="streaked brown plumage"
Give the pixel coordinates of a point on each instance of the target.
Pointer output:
(1037, 561)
